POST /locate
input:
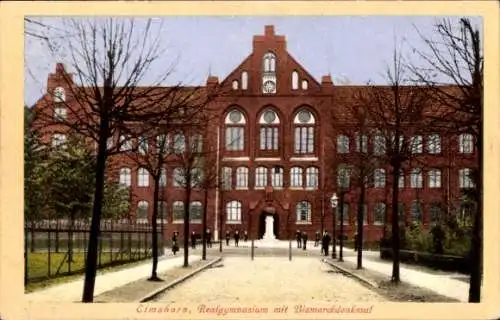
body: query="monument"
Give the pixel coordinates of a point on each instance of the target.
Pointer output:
(269, 231)
(268, 239)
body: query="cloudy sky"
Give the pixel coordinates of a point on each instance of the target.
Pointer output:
(353, 49)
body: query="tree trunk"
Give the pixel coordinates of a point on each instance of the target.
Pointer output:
(360, 226)
(154, 275)
(186, 218)
(204, 227)
(395, 222)
(476, 258)
(91, 261)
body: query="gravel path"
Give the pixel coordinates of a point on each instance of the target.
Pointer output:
(269, 280)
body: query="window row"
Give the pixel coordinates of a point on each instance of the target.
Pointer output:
(415, 144)
(179, 177)
(195, 210)
(269, 125)
(273, 175)
(416, 178)
(380, 209)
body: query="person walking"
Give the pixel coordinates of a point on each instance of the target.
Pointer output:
(316, 238)
(326, 243)
(245, 236)
(228, 236)
(208, 236)
(193, 240)
(175, 246)
(298, 237)
(236, 238)
(304, 240)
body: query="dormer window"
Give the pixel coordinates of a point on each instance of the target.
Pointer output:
(59, 95)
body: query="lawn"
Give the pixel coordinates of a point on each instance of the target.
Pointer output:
(38, 266)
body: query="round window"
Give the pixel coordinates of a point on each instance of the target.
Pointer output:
(304, 116)
(235, 116)
(269, 116)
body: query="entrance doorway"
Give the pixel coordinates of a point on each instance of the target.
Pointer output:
(262, 222)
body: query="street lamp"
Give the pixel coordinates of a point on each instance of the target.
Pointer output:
(334, 200)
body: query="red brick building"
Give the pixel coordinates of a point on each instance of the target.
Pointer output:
(278, 150)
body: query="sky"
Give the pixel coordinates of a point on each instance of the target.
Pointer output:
(352, 49)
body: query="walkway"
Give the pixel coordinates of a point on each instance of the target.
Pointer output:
(72, 291)
(269, 280)
(443, 283)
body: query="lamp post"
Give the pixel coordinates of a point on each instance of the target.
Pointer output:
(341, 258)
(334, 203)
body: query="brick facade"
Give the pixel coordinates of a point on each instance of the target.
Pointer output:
(318, 98)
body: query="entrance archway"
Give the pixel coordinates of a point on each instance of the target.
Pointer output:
(262, 222)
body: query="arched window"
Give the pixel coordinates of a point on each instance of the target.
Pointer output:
(312, 178)
(125, 177)
(142, 210)
(244, 80)
(269, 62)
(342, 144)
(178, 211)
(235, 130)
(277, 177)
(269, 125)
(303, 210)
(142, 177)
(59, 94)
(261, 177)
(195, 211)
(379, 178)
(379, 145)
(235, 84)
(295, 80)
(242, 178)
(305, 85)
(304, 122)
(296, 177)
(361, 142)
(233, 211)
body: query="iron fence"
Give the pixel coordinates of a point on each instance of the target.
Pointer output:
(55, 248)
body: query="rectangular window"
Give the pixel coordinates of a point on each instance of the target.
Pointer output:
(312, 178)
(465, 178)
(269, 138)
(379, 213)
(227, 178)
(125, 143)
(361, 143)
(343, 177)
(304, 140)
(434, 178)
(416, 178)
(58, 140)
(179, 179)
(296, 177)
(434, 144)
(379, 145)
(178, 211)
(195, 211)
(416, 144)
(466, 143)
(379, 178)
(342, 144)
(163, 177)
(234, 138)
(143, 145)
(242, 178)
(435, 213)
(344, 215)
(401, 182)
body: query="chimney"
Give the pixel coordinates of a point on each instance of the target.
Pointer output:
(326, 84)
(269, 31)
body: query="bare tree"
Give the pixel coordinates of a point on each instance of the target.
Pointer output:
(455, 56)
(103, 98)
(395, 112)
